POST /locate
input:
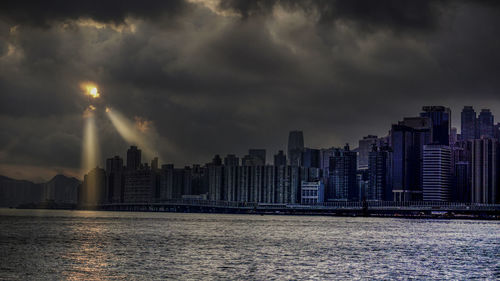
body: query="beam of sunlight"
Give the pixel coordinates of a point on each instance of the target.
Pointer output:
(90, 151)
(130, 133)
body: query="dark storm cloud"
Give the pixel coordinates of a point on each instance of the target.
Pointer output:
(115, 11)
(223, 78)
(392, 14)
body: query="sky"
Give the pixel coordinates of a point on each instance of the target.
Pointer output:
(200, 78)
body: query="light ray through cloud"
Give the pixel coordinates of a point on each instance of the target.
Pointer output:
(131, 133)
(90, 151)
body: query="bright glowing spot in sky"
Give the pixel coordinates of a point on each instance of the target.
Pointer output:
(94, 93)
(90, 89)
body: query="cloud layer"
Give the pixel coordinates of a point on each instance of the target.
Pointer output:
(222, 77)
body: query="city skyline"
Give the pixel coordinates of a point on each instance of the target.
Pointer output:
(101, 161)
(421, 159)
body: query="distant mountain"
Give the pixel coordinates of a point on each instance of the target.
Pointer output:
(60, 189)
(14, 192)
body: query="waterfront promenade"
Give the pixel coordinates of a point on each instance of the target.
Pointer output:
(366, 208)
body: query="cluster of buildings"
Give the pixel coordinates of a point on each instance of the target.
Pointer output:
(422, 158)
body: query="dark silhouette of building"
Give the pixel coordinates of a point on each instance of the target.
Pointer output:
(295, 147)
(115, 179)
(484, 160)
(215, 181)
(462, 182)
(496, 131)
(462, 173)
(311, 158)
(407, 140)
(379, 172)
(280, 159)
(230, 174)
(485, 124)
(199, 180)
(216, 160)
(141, 185)
(468, 123)
(154, 164)
(258, 156)
(93, 189)
(441, 123)
(133, 158)
(231, 160)
(364, 149)
(342, 175)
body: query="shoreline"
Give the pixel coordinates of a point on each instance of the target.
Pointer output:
(293, 212)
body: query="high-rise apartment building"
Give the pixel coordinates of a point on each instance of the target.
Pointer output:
(484, 160)
(485, 124)
(441, 123)
(436, 173)
(133, 158)
(342, 175)
(379, 172)
(407, 141)
(295, 147)
(364, 147)
(114, 179)
(468, 123)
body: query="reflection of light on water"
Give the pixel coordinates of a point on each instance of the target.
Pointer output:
(89, 254)
(128, 131)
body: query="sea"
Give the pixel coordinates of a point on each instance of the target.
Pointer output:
(99, 245)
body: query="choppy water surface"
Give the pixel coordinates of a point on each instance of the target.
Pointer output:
(40, 244)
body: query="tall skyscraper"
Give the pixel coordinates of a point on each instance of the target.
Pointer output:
(441, 123)
(379, 172)
(199, 180)
(230, 175)
(436, 173)
(468, 123)
(484, 154)
(407, 146)
(133, 158)
(154, 164)
(485, 124)
(342, 175)
(269, 195)
(215, 182)
(408, 139)
(280, 159)
(364, 147)
(114, 180)
(295, 147)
